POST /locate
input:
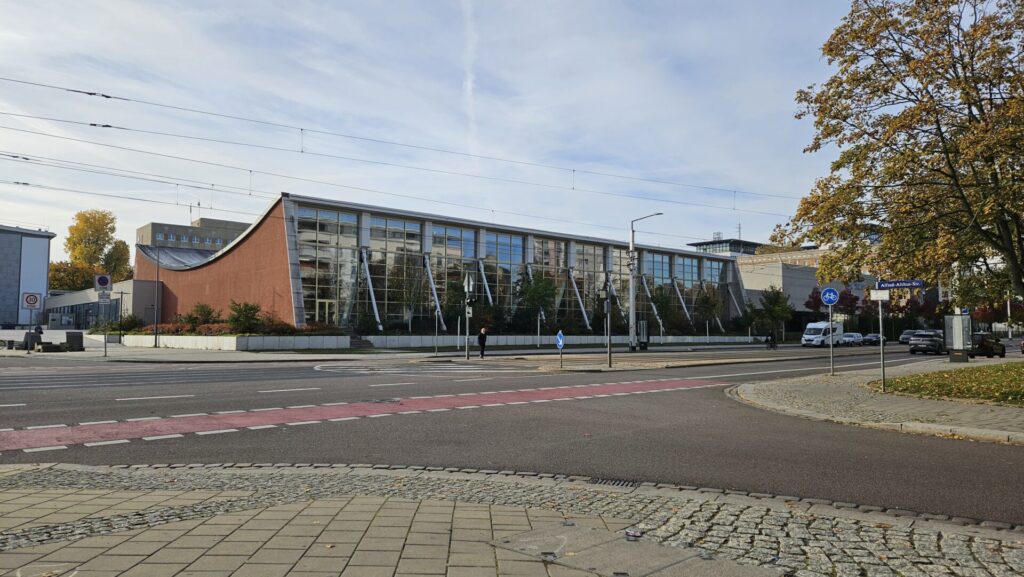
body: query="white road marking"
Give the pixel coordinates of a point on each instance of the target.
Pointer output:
(875, 363)
(409, 412)
(87, 423)
(188, 415)
(299, 406)
(392, 384)
(261, 427)
(154, 398)
(142, 419)
(339, 419)
(493, 405)
(469, 407)
(265, 409)
(44, 427)
(228, 412)
(102, 443)
(334, 404)
(297, 423)
(379, 415)
(38, 449)
(13, 405)
(217, 432)
(290, 390)
(437, 410)
(162, 437)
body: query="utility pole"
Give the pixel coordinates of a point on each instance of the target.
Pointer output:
(632, 279)
(156, 302)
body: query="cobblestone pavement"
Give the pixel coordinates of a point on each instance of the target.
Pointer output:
(844, 398)
(362, 520)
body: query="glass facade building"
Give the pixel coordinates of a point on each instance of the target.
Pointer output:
(381, 269)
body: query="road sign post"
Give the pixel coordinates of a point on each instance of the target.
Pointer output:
(830, 296)
(467, 287)
(559, 342)
(881, 295)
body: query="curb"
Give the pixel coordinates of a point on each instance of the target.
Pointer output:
(911, 427)
(596, 483)
(684, 364)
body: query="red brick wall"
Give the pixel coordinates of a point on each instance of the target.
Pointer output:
(255, 270)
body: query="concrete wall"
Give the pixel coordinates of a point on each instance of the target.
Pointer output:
(241, 343)
(797, 281)
(254, 270)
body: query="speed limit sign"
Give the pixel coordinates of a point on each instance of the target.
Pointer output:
(31, 301)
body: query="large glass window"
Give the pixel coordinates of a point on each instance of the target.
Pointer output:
(688, 271)
(328, 263)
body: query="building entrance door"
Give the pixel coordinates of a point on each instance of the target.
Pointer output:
(327, 312)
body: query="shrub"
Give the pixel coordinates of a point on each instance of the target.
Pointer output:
(214, 329)
(244, 318)
(270, 324)
(201, 314)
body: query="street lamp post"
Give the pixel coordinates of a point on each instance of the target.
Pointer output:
(632, 280)
(603, 296)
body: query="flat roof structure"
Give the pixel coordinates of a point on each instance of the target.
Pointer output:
(314, 260)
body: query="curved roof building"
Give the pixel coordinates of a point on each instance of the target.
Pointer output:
(311, 260)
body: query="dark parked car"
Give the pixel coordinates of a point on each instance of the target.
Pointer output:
(986, 344)
(873, 339)
(905, 337)
(928, 342)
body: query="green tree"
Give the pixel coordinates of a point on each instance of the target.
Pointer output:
(537, 295)
(707, 305)
(70, 276)
(115, 261)
(775, 308)
(926, 108)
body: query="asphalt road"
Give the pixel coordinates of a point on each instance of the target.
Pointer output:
(692, 434)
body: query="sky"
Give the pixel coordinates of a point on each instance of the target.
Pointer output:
(696, 95)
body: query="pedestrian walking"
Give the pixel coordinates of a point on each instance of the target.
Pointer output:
(481, 339)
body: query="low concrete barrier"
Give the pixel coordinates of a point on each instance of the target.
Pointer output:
(242, 343)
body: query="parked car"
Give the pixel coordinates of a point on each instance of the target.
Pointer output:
(853, 339)
(873, 339)
(928, 342)
(905, 337)
(986, 344)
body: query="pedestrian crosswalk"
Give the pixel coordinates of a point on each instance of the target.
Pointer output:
(420, 368)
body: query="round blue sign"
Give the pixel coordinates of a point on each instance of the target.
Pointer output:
(560, 340)
(830, 296)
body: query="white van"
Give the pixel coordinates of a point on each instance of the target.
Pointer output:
(820, 334)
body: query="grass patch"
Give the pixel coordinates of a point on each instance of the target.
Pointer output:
(1002, 383)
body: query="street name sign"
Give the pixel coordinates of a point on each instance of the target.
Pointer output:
(830, 296)
(879, 295)
(899, 284)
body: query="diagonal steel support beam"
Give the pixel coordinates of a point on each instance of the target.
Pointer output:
(579, 300)
(643, 280)
(618, 301)
(369, 286)
(675, 285)
(487, 287)
(433, 291)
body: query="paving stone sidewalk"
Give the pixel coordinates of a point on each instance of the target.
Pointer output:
(262, 520)
(843, 398)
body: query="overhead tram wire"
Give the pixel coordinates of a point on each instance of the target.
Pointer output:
(302, 151)
(302, 130)
(17, 157)
(148, 176)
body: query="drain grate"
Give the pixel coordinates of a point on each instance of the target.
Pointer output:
(615, 482)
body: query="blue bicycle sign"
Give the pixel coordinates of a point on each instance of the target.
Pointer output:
(830, 296)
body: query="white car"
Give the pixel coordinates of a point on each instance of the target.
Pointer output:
(851, 339)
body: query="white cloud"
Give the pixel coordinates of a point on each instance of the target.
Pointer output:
(683, 91)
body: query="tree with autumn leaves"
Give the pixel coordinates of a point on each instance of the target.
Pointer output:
(926, 110)
(92, 249)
